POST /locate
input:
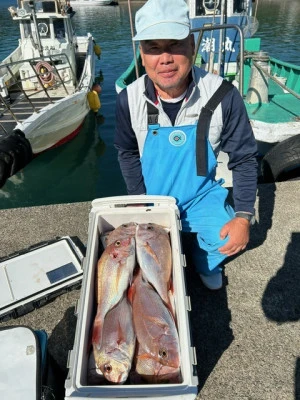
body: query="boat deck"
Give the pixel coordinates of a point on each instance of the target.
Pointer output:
(19, 108)
(283, 107)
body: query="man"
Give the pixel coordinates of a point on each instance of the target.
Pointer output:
(68, 8)
(156, 131)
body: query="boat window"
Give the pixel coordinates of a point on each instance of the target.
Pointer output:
(239, 6)
(43, 28)
(59, 28)
(199, 8)
(27, 28)
(40, 6)
(27, 7)
(208, 7)
(48, 6)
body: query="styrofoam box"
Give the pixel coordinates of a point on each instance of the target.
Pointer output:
(107, 214)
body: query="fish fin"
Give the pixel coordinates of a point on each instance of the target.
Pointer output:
(134, 274)
(150, 251)
(121, 337)
(96, 336)
(132, 286)
(171, 286)
(171, 304)
(143, 356)
(97, 330)
(157, 321)
(130, 293)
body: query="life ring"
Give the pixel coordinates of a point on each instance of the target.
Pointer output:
(45, 73)
(282, 162)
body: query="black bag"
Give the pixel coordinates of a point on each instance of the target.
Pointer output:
(15, 154)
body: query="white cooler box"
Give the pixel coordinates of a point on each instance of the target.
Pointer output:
(106, 215)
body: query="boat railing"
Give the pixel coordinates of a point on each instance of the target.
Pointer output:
(215, 27)
(255, 60)
(275, 79)
(46, 81)
(89, 65)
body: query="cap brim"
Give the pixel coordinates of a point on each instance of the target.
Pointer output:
(163, 31)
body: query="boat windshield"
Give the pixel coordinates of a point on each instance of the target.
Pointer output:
(211, 7)
(44, 29)
(59, 28)
(40, 6)
(239, 6)
(27, 28)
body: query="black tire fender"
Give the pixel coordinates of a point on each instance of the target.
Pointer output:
(282, 162)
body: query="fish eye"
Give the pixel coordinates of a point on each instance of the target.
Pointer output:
(163, 353)
(107, 368)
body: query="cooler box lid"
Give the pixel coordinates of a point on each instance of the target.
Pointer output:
(31, 278)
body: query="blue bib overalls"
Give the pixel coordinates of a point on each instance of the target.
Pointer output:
(169, 168)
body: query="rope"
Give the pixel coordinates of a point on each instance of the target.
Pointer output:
(45, 73)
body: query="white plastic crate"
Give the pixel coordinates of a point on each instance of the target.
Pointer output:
(107, 214)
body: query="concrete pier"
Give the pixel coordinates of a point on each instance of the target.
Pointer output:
(247, 335)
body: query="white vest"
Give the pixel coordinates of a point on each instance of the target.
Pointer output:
(206, 85)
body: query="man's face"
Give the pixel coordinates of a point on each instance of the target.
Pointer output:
(168, 63)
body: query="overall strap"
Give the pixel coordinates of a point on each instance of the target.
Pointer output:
(203, 124)
(152, 114)
(151, 110)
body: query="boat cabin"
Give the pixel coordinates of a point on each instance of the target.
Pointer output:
(47, 43)
(217, 44)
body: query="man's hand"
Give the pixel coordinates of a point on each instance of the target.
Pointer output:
(238, 230)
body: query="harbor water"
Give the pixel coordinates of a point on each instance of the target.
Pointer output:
(87, 168)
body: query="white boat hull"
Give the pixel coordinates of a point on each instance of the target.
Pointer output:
(56, 123)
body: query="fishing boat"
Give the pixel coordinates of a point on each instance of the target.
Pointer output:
(92, 3)
(44, 82)
(226, 45)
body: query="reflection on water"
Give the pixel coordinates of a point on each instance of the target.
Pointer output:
(279, 28)
(87, 167)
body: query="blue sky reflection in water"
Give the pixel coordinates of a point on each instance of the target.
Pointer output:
(87, 168)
